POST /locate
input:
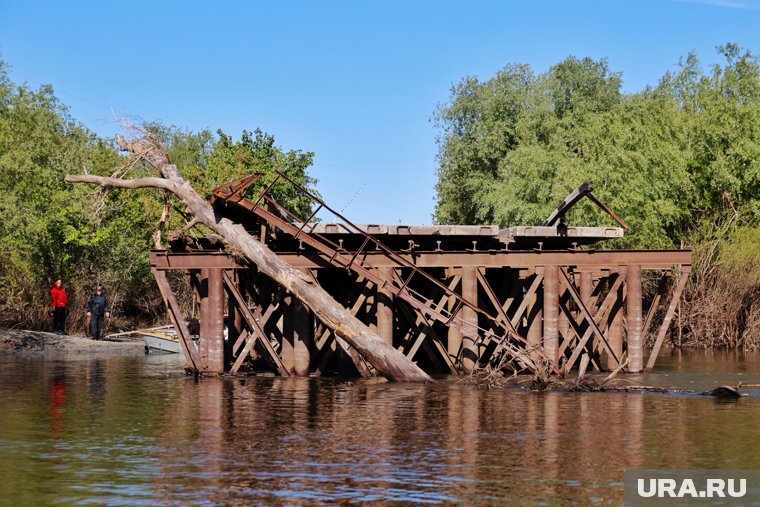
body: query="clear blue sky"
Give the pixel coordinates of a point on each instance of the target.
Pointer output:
(355, 82)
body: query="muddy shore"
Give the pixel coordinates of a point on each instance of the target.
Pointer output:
(15, 341)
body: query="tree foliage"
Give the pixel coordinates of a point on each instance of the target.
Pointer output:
(666, 159)
(51, 230)
(679, 162)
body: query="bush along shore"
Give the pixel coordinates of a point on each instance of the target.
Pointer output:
(679, 161)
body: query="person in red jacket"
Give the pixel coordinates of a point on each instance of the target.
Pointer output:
(60, 301)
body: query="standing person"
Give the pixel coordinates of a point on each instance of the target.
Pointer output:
(97, 306)
(60, 302)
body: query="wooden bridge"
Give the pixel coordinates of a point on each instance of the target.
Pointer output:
(449, 297)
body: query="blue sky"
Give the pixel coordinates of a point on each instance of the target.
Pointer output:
(354, 82)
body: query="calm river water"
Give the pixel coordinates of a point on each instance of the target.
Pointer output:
(115, 430)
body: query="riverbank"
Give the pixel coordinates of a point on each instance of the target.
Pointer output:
(13, 341)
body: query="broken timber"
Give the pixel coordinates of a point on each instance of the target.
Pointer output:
(449, 298)
(445, 299)
(382, 356)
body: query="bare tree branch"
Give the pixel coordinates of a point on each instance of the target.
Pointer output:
(105, 181)
(162, 222)
(388, 361)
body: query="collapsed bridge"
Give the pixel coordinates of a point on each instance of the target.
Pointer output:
(450, 298)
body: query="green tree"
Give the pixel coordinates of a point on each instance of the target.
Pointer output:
(51, 230)
(665, 158)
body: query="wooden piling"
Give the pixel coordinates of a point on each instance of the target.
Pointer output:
(535, 318)
(615, 327)
(215, 325)
(384, 308)
(303, 338)
(634, 319)
(551, 312)
(205, 332)
(454, 337)
(470, 319)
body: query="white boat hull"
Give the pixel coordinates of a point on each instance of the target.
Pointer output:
(162, 344)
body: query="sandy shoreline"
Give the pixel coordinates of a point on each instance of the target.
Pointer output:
(15, 341)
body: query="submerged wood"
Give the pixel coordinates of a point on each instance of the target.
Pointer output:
(489, 377)
(725, 392)
(388, 361)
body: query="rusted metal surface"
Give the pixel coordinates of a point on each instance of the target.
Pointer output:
(170, 301)
(256, 335)
(215, 319)
(601, 315)
(614, 339)
(633, 319)
(384, 306)
(583, 259)
(583, 191)
(303, 338)
(464, 313)
(661, 290)
(551, 307)
(450, 298)
(470, 338)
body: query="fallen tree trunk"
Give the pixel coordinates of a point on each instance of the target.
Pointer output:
(388, 361)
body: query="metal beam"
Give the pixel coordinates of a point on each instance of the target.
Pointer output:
(647, 259)
(254, 326)
(593, 321)
(633, 322)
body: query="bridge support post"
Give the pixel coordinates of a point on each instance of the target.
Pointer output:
(615, 327)
(551, 312)
(214, 339)
(384, 308)
(634, 319)
(470, 319)
(535, 317)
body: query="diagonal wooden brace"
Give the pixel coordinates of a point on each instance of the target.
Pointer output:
(258, 332)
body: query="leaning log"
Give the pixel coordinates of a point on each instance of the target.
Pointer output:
(388, 361)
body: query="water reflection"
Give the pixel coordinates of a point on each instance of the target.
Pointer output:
(126, 430)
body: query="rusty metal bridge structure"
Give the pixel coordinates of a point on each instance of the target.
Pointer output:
(451, 298)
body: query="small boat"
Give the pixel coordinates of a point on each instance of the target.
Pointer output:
(163, 340)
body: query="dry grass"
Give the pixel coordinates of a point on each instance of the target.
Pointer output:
(721, 306)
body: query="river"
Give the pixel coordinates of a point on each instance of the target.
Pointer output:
(116, 430)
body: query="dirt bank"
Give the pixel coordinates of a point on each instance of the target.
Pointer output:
(22, 341)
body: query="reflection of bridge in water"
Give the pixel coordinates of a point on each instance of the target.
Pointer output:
(448, 297)
(307, 441)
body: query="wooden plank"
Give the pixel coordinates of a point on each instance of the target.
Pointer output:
(601, 315)
(501, 314)
(422, 320)
(179, 321)
(359, 290)
(675, 298)
(661, 286)
(585, 312)
(538, 278)
(258, 332)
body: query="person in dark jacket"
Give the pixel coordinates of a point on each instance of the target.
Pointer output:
(60, 302)
(97, 307)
